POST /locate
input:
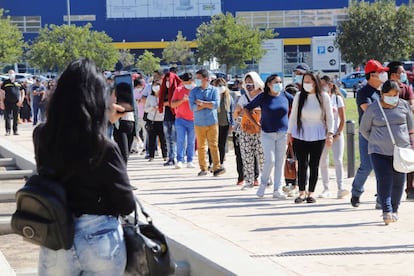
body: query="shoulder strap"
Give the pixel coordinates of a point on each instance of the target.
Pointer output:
(386, 121)
(248, 100)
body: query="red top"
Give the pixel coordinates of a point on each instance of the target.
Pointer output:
(182, 111)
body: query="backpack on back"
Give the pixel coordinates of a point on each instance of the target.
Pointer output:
(42, 215)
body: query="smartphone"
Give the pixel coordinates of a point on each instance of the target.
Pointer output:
(124, 91)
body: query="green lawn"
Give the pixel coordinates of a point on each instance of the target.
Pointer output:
(351, 113)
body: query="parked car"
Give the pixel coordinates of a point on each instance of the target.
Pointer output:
(352, 79)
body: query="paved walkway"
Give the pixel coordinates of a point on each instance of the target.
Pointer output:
(327, 238)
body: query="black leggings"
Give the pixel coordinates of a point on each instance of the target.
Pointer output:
(123, 136)
(308, 154)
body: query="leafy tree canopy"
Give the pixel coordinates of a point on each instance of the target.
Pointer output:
(148, 63)
(56, 46)
(230, 41)
(11, 41)
(178, 51)
(377, 30)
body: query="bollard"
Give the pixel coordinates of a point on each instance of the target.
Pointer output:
(350, 145)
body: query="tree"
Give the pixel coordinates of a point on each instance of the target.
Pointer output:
(11, 45)
(377, 30)
(126, 58)
(56, 46)
(230, 41)
(148, 63)
(178, 51)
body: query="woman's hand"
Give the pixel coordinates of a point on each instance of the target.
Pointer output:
(329, 140)
(289, 139)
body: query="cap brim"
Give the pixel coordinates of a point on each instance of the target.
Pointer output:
(301, 71)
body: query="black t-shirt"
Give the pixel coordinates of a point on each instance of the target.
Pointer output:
(366, 94)
(12, 91)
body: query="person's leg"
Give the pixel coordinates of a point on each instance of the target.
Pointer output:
(7, 111)
(258, 150)
(130, 132)
(121, 139)
(397, 189)
(152, 138)
(269, 146)
(189, 126)
(316, 149)
(212, 140)
(410, 185)
(364, 169)
(302, 154)
(15, 111)
(383, 169)
(181, 131)
(169, 134)
(161, 135)
(279, 159)
(324, 167)
(248, 157)
(338, 157)
(239, 163)
(222, 141)
(201, 134)
(35, 108)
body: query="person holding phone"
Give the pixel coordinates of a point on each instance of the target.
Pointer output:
(124, 131)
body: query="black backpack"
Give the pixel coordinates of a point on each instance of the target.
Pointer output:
(42, 215)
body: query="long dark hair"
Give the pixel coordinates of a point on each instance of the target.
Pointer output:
(74, 132)
(303, 96)
(269, 80)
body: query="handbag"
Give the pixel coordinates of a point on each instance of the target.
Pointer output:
(147, 250)
(149, 124)
(403, 160)
(290, 164)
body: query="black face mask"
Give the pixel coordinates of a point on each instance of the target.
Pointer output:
(250, 87)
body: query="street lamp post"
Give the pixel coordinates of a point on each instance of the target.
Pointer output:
(68, 10)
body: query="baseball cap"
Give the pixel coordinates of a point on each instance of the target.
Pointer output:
(302, 67)
(374, 66)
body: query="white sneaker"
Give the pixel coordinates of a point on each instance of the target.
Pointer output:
(342, 193)
(179, 165)
(261, 191)
(325, 194)
(293, 192)
(246, 185)
(279, 195)
(190, 165)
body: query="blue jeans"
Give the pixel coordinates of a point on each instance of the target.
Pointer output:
(98, 249)
(185, 139)
(274, 149)
(390, 183)
(170, 137)
(364, 169)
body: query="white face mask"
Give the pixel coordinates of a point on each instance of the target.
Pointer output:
(308, 87)
(139, 89)
(12, 77)
(189, 86)
(221, 89)
(167, 84)
(383, 76)
(391, 100)
(156, 88)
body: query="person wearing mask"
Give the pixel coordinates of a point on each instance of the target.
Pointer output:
(338, 109)
(140, 136)
(38, 101)
(310, 129)
(72, 145)
(250, 145)
(25, 110)
(155, 122)
(274, 104)
(376, 75)
(300, 70)
(373, 126)
(204, 101)
(184, 121)
(170, 82)
(12, 101)
(398, 74)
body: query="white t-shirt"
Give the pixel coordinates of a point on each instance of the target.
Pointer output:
(336, 102)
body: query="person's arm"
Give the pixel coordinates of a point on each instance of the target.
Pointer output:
(329, 119)
(115, 112)
(293, 118)
(252, 105)
(175, 101)
(366, 123)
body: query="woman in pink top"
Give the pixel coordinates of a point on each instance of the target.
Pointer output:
(184, 121)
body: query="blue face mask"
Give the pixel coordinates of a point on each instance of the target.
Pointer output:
(189, 86)
(277, 87)
(403, 77)
(197, 82)
(391, 100)
(298, 79)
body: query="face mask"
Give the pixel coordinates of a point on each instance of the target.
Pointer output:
(12, 77)
(308, 87)
(197, 82)
(277, 87)
(167, 84)
(298, 79)
(383, 76)
(156, 88)
(189, 86)
(391, 100)
(221, 89)
(403, 77)
(249, 87)
(140, 89)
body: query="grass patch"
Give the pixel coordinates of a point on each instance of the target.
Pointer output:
(351, 113)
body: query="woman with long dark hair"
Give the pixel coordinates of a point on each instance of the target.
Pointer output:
(310, 128)
(72, 146)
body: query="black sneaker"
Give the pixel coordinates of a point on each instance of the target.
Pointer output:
(300, 200)
(410, 195)
(219, 171)
(202, 173)
(355, 201)
(169, 163)
(310, 199)
(16, 133)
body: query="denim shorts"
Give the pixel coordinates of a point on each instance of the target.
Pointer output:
(98, 249)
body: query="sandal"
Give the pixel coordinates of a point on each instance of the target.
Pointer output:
(300, 199)
(310, 199)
